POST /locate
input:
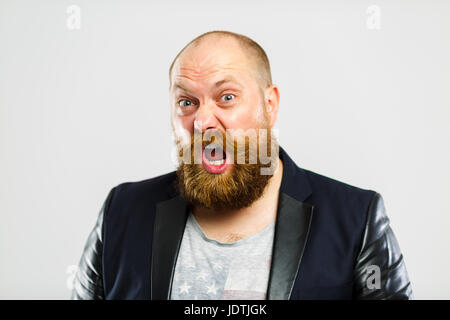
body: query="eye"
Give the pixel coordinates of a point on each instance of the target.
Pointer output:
(188, 103)
(228, 97)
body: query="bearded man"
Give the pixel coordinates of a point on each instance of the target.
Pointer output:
(238, 219)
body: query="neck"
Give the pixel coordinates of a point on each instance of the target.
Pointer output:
(237, 224)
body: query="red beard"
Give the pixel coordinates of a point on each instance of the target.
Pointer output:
(237, 188)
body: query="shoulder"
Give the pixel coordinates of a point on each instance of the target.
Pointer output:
(320, 190)
(340, 201)
(156, 188)
(335, 188)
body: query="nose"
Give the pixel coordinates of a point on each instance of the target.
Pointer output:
(205, 118)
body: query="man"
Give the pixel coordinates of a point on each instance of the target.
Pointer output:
(238, 219)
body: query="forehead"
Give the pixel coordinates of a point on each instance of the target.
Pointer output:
(214, 63)
(183, 83)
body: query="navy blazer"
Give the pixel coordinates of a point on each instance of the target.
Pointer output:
(331, 242)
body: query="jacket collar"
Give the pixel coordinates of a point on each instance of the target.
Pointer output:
(291, 232)
(294, 182)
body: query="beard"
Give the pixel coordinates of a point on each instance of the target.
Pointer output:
(236, 188)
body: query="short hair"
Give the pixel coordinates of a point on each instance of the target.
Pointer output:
(253, 49)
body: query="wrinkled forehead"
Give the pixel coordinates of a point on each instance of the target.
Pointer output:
(207, 61)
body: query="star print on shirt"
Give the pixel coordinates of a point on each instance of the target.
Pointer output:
(184, 288)
(216, 266)
(212, 288)
(201, 275)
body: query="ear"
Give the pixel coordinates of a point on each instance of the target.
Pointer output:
(272, 100)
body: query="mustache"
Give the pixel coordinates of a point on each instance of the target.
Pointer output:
(246, 148)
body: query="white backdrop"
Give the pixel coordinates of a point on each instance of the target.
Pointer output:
(364, 99)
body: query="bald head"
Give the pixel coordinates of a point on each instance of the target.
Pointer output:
(254, 57)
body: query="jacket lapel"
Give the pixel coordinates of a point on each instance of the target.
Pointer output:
(292, 227)
(170, 220)
(291, 232)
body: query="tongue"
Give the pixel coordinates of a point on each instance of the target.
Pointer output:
(213, 155)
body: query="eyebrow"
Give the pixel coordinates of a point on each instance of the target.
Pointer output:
(217, 84)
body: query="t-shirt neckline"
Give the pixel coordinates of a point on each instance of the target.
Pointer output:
(228, 244)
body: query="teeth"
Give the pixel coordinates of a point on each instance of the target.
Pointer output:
(213, 145)
(216, 162)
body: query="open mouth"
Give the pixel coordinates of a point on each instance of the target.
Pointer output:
(215, 154)
(214, 158)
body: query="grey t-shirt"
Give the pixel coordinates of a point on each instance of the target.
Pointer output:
(207, 269)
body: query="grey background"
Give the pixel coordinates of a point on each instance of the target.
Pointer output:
(83, 110)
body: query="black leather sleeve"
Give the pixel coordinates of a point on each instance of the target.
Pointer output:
(380, 256)
(88, 281)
